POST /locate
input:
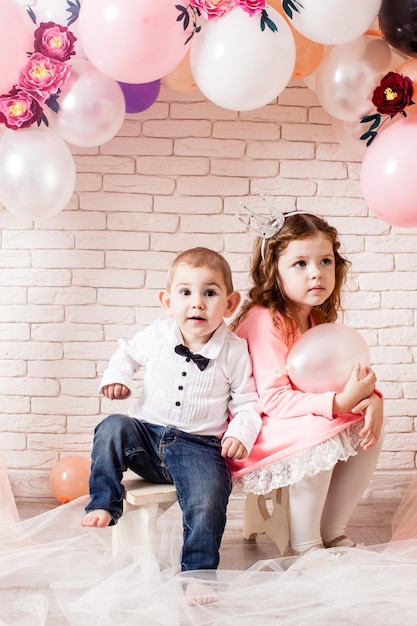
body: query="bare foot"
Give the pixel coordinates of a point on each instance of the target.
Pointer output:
(98, 519)
(197, 593)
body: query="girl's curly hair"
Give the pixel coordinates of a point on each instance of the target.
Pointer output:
(267, 288)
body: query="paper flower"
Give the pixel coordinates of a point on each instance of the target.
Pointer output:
(211, 9)
(392, 96)
(42, 76)
(19, 109)
(54, 41)
(40, 80)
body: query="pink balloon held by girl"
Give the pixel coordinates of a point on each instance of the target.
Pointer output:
(323, 445)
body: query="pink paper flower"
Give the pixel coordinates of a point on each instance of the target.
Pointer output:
(213, 8)
(54, 41)
(19, 109)
(43, 76)
(252, 7)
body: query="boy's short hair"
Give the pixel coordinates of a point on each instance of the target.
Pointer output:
(199, 257)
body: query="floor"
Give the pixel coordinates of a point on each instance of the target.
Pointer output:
(370, 525)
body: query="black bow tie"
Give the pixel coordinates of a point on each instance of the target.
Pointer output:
(200, 361)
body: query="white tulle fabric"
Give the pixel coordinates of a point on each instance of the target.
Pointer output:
(54, 573)
(308, 462)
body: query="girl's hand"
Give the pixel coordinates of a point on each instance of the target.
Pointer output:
(356, 389)
(372, 410)
(232, 448)
(116, 391)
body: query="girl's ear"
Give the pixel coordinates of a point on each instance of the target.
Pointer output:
(165, 301)
(233, 301)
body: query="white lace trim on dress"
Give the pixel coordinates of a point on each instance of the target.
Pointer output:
(308, 462)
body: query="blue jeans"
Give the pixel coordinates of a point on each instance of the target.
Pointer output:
(163, 454)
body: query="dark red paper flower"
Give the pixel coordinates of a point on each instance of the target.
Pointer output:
(19, 109)
(54, 41)
(393, 94)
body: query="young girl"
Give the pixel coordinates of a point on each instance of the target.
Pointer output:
(325, 446)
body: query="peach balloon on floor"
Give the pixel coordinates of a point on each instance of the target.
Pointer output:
(69, 478)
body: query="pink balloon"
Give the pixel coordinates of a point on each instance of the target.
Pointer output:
(324, 356)
(133, 41)
(91, 107)
(388, 173)
(16, 39)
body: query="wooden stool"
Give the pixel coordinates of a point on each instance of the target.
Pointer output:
(142, 504)
(272, 521)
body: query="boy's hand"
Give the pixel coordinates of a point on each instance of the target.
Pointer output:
(372, 410)
(116, 391)
(232, 448)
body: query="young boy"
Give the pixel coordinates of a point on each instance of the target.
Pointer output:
(198, 407)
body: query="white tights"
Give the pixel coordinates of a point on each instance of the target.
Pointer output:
(321, 505)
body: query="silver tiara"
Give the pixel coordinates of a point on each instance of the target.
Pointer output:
(265, 226)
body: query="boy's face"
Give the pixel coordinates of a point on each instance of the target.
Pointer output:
(198, 301)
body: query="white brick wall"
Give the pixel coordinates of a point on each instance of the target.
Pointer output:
(171, 179)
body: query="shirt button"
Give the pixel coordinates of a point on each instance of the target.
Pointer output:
(183, 373)
(180, 387)
(188, 359)
(178, 404)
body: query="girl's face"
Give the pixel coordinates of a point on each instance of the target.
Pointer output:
(307, 271)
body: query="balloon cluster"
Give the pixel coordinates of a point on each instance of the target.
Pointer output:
(241, 54)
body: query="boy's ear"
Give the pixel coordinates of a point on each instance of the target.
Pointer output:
(165, 300)
(233, 301)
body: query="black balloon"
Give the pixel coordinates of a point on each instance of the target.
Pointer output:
(398, 24)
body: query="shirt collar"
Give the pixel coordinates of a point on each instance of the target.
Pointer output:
(212, 348)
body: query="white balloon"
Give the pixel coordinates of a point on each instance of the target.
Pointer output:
(37, 172)
(323, 358)
(237, 65)
(348, 74)
(91, 107)
(51, 11)
(334, 22)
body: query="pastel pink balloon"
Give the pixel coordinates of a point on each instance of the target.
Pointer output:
(134, 41)
(388, 174)
(16, 39)
(91, 107)
(324, 356)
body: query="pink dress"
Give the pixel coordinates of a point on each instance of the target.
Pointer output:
(299, 434)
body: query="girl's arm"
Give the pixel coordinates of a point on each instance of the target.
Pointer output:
(269, 351)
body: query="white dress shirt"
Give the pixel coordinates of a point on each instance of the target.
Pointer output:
(220, 401)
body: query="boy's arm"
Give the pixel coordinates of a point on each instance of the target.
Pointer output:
(244, 406)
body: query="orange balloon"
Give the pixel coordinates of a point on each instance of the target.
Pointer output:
(409, 68)
(181, 78)
(69, 478)
(308, 54)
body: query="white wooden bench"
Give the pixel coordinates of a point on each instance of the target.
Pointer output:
(143, 502)
(269, 515)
